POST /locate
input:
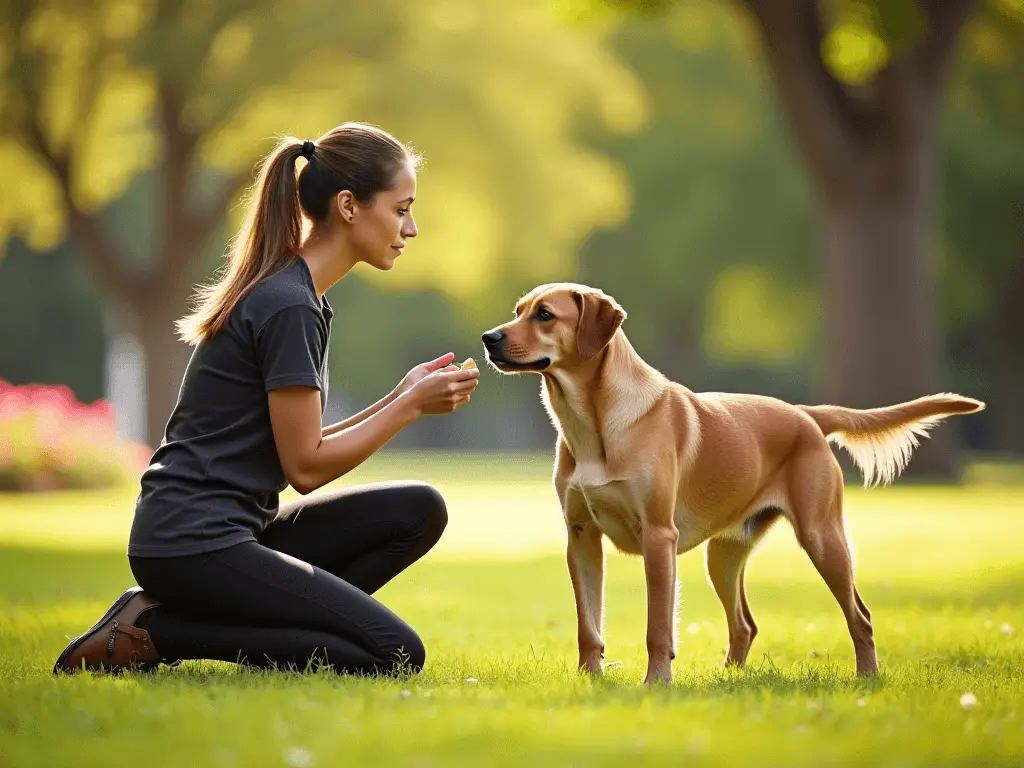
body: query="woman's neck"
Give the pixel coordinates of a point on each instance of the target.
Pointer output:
(329, 258)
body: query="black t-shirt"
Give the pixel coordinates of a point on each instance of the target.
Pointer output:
(215, 479)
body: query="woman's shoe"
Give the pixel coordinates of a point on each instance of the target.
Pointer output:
(114, 643)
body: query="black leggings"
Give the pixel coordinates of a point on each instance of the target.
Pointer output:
(301, 593)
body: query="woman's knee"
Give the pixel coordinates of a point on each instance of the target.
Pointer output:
(433, 512)
(408, 654)
(414, 654)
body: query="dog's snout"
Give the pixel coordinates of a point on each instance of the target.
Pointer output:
(493, 337)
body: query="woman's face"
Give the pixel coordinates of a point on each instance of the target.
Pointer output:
(379, 230)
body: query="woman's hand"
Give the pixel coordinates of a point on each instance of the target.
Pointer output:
(423, 370)
(443, 391)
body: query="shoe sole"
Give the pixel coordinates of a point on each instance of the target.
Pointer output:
(73, 645)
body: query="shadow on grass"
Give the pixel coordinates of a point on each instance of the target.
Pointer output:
(761, 677)
(32, 575)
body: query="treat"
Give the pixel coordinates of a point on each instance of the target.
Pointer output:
(468, 364)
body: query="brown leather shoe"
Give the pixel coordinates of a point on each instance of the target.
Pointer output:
(114, 643)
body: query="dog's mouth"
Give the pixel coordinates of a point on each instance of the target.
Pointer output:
(513, 366)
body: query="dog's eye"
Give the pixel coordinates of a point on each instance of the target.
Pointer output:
(543, 315)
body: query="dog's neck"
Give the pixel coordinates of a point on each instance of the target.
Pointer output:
(597, 400)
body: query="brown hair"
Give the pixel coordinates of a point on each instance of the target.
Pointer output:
(355, 156)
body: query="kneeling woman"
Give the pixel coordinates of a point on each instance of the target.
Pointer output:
(226, 573)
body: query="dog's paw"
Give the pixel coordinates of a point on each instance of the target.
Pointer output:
(654, 680)
(659, 674)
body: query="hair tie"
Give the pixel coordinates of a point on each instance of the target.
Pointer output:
(307, 149)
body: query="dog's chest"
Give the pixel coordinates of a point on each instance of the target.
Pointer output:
(615, 505)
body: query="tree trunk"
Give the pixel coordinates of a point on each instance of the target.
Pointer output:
(1008, 385)
(681, 342)
(1008, 363)
(165, 358)
(882, 324)
(871, 152)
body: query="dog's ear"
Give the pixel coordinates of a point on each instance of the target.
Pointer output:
(600, 318)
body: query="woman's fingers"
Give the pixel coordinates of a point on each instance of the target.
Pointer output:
(440, 362)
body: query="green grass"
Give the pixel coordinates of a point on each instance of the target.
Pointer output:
(941, 569)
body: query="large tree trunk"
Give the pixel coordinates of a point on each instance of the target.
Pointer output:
(871, 152)
(165, 358)
(1008, 363)
(681, 342)
(149, 299)
(883, 336)
(1007, 387)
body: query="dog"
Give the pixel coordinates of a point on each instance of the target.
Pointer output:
(659, 469)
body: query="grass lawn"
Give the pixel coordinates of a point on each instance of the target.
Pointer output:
(940, 568)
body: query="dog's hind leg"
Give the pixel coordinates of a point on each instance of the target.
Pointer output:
(726, 561)
(821, 534)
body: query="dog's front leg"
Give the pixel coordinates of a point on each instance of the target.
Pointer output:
(585, 557)
(659, 547)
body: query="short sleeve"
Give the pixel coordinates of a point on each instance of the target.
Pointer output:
(290, 349)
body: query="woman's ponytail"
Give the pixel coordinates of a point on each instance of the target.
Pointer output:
(267, 242)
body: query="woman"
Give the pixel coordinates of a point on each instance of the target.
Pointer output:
(224, 572)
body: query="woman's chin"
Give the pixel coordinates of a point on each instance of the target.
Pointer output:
(385, 264)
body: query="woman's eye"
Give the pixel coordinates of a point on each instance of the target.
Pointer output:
(543, 315)
(402, 211)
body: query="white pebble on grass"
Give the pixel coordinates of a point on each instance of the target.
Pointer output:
(406, 693)
(968, 701)
(298, 757)
(472, 680)
(861, 703)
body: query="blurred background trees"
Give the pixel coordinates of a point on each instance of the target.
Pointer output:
(819, 201)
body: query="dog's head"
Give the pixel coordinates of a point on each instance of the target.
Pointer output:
(556, 325)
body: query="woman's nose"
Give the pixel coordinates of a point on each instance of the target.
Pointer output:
(409, 228)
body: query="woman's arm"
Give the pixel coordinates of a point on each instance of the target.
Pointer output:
(311, 460)
(364, 414)
(413, 376)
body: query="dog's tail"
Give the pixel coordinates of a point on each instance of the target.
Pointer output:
(881, 440)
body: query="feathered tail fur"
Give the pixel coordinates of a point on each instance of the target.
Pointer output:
(882, 440)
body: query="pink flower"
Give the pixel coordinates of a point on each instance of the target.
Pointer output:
(12, 404)
(62, 442)
(101, 409)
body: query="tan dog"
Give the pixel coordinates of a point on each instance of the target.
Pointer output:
(658, 469)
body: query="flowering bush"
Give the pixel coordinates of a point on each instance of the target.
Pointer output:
(50, 441)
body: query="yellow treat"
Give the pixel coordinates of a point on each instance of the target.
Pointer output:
(468, 364)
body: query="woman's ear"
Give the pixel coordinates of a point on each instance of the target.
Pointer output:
(346, 205)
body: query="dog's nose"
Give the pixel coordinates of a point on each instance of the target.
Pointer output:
(493, 337)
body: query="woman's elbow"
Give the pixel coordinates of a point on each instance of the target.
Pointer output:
(302, 478)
